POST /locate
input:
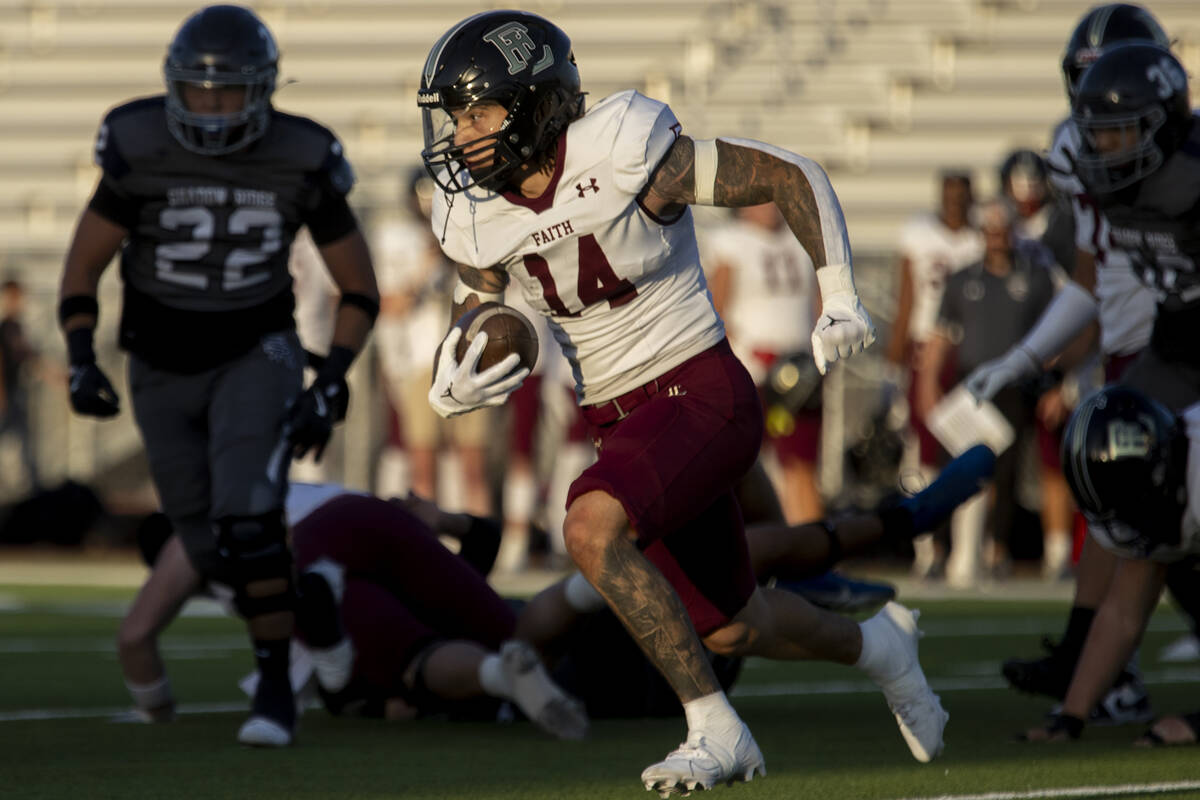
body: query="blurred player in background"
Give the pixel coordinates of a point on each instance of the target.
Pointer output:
(1043, 217)
(415, 281)
(202, 191)
(933, 246)
(762, 285)
(590, 213)
(1105, 288)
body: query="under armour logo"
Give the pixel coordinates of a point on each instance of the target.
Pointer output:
(676, 391)
(584, 189)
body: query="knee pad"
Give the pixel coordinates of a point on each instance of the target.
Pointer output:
(254, 548)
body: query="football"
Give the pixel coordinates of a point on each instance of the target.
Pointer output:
(507, 329)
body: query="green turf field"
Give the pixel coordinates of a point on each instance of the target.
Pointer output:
(825, 733)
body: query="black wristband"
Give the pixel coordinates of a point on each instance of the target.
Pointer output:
(336, 364)
(365, 304)
(79, 347)
(1066, 723)
(77, 304)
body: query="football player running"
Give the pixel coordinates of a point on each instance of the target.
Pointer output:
(1134, 469)
(1105, 289)
(590, 213)
(203, 189)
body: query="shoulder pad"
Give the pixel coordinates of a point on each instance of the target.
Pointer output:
(647, 129)
(126, 130)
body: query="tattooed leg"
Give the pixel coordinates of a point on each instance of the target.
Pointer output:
(599, 539)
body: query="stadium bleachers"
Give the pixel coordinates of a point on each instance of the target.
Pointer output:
(883, 92)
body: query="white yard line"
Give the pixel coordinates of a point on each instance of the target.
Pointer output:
(122, 711)
(1072, 791)
(1158, 677)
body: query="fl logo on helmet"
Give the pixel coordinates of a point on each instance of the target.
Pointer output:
(518, 48)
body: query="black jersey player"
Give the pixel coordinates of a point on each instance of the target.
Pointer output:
(203, 189)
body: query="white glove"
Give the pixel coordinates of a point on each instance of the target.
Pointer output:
(844, 327)
(458, 388)
(989, 378)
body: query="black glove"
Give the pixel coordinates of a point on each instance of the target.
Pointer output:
(91, 392)
(312, 415)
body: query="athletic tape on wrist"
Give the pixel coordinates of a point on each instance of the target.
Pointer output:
(462, 291)
(835, 279)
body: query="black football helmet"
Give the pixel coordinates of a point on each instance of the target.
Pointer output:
(1102, 27)
(516, 59)
(1125, 459)
(221, 46)
(1137, 95)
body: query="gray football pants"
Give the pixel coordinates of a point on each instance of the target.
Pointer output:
(214, 439)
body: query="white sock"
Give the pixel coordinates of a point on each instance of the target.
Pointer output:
(492, 679)
(711, 713)
(582, 596)
(874, 659)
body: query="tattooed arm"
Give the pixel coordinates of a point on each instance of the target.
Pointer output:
(475, 287)
(741, 172)
(748, 173)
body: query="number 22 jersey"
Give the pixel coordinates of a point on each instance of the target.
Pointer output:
(622, 288)
(205, 264)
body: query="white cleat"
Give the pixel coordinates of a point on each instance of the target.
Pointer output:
(538, 696)
(260, 731)
(701, 763)
(918, 710)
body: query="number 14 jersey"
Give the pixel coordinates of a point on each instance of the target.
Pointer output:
(622, 288)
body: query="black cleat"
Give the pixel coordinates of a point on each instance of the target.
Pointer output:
(1049, 675)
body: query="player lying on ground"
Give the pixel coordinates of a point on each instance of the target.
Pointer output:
(1134, 469)
(418, 627)
(376, 552)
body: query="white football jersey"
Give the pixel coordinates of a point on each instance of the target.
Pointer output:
(771, 293)
(1126, 304)
(623, 291)
(934, 253)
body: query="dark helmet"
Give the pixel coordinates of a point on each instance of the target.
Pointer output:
(1125, 459)
(1024, 177)
(1140, 91)
(516, 59)
(221, 46)
(1104, 26)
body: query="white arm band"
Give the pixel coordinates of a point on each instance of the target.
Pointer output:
(833, 222)
(1071, 310)
(462, 292)
(706, 170)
